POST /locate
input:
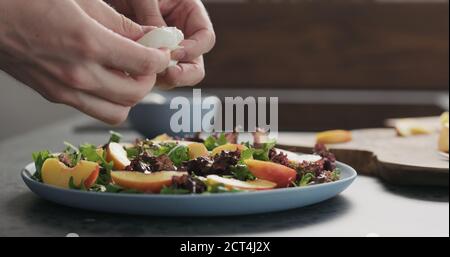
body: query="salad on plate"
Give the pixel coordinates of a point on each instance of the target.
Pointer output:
(179, 166)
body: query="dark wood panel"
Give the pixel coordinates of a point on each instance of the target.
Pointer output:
(318, 117)
(330, 44)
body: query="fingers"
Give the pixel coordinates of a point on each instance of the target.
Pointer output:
(110, 85)
(113, 49)
(119, 88)
(108, 17)
(198, 29)
(147, 12)
(198, 44)
(55, 91)
(184, 74)
(122, 54)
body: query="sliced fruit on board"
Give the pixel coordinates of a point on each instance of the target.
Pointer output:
(117, 154)
(444, 139)
(143, 182)
(334, 137)
(281, 175)
(58, 174)
(258, 184)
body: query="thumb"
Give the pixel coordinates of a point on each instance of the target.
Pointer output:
(111, 19)
(148, 13)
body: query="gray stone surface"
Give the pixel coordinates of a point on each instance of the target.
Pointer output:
(22, 109)
(368, 207)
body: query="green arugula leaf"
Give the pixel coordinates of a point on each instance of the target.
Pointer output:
(246, 154)
(115, 137)
(110, 188)
(70, 147)
(89, 152)
(241, 172)
(222, 140)
(179, 154)
(211, 142)
(72, 185)
(39, 158)
(162, 148)
(173, 191)
(262, 153)
(306, 179)
(336, 175)
(132, 152)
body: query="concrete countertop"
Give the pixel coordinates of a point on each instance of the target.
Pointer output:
(368, 208)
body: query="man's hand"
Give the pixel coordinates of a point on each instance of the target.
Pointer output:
(188, 15)
(80, 53)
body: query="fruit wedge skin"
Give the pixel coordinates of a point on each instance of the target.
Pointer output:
(117, 154)
(254, 185)
(58, 174)
(334, 137)
(147, 183)
(281, 175)
(197, 150)
(229, 148)
(444, 139)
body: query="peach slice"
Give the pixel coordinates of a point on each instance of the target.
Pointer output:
(162, 138)
(116, 153)
(228, 148)
(197, 150)
(58, 174)
(281, 175)
(150, 183)
(443, 139)
(258, 184)
(334, 137)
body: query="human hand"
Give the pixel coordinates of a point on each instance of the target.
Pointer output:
(188, 15)
(76, 52)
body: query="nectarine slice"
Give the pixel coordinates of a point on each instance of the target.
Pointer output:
(58, 174)
(334, 137)
(258, 184)
(443, 139)
(281, 175)
(197, 150)
(143, 182)
(228, 148)
(117, 154)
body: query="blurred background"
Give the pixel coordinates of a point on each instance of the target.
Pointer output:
(333, 63)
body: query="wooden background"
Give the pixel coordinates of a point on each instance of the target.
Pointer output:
(352, 44)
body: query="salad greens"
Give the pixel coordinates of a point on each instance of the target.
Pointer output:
(176, 167)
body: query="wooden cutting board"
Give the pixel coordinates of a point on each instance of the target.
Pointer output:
(380, 152)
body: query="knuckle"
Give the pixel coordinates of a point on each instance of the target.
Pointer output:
(86, 46)
(75, 78)
(127, 26)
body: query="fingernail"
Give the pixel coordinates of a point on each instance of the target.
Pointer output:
(178, 55)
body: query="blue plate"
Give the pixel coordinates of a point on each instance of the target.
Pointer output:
(225, 204)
